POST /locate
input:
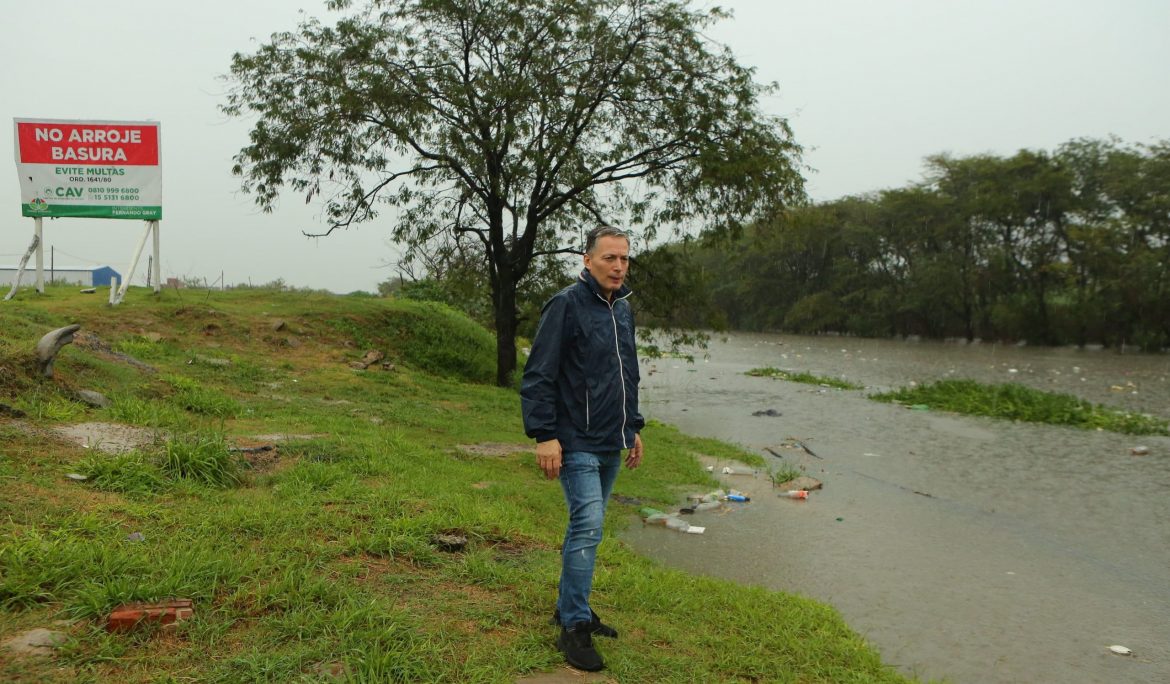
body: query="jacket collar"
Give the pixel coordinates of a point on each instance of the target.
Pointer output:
(587, 278)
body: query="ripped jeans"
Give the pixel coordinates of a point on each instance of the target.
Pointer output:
(587, 479)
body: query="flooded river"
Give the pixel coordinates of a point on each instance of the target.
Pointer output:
(969, 548)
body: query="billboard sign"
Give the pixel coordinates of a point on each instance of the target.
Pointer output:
(90, 169)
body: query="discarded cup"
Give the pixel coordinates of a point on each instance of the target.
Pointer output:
(795, 494)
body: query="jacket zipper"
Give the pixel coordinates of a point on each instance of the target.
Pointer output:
(621, 371)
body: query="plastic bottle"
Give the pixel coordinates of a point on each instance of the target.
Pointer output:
(795, 494)
(677, 523)
(737, 497)
(653, 516)
(707, 505)
(713, 496)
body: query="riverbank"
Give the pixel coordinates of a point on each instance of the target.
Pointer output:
(962, 547)
(330, 513)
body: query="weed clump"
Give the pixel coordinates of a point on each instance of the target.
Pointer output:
(198, 458)
(1016, 402)
(802, 377)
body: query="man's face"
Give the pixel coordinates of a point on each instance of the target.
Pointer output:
(609, 262)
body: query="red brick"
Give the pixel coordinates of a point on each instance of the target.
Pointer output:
(128, 616)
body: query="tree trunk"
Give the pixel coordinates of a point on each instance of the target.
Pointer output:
(504, 303)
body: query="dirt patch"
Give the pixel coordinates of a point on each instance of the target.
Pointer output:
(35, 642)
(93, 343)
(285, 437)
(496, 449)
(110, 438)
(566, 675)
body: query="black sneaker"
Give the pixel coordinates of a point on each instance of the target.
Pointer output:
(596, 626)
(576, 643)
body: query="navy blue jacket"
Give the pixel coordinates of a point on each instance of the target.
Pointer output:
(580, 384)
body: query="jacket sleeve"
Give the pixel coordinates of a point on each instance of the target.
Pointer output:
(538, 388)
(637, 422)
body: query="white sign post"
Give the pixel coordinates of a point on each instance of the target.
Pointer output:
(90, 169)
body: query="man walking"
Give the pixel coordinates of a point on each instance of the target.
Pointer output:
(579, 398)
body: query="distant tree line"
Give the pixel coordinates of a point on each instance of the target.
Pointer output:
(1063, 247)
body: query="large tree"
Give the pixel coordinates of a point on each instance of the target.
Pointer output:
(512, 126)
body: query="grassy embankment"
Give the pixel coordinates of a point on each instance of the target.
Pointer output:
(321, 555)
(1009, 401)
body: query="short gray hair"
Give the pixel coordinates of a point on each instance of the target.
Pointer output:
(603, 231)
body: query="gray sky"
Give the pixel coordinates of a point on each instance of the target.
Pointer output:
(869, 86)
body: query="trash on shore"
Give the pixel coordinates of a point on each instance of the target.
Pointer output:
(1140, 450)
(801, 494)
(653, 516)
(1120, 650)
(728, 470)
(76, 477)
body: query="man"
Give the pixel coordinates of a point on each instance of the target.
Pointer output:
(579, 397)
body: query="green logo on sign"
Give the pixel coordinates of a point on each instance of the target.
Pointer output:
(38, 205)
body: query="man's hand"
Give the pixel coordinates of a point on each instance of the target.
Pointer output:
(548, 457)
(634, 458)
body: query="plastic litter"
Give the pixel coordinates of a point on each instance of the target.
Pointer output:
(728, 470)
(653, 516)
(1120, 650)
(795, 494)
(737, 497)
(1140, 450)
(76, 477)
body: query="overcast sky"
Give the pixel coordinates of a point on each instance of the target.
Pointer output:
(870, 88)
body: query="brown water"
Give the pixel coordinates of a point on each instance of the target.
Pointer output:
(968, 548)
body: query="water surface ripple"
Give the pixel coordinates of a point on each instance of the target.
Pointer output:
(962, 547)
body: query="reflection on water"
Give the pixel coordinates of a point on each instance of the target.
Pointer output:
(965, 547)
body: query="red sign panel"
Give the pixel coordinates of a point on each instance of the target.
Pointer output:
(87, 143)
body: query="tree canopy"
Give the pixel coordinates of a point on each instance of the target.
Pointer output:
(505, 129)
(1064, 247)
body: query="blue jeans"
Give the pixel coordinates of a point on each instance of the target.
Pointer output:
(587, 479)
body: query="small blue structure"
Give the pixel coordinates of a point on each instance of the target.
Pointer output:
(103, 274)
(86, 276)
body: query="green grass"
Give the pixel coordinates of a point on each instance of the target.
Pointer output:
(322, 554)
(802, 377)
(1016, 402)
